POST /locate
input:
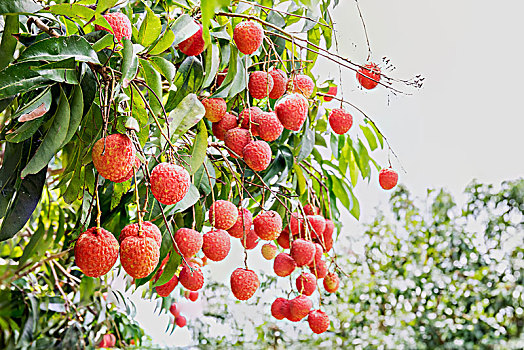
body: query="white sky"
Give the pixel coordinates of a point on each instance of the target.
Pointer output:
(467, 121)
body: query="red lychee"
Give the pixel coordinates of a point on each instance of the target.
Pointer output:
(136, 166)
(250, 114)
(297, 224)
(243, 223)
(292, 111)
(244, 283)
(180, 321)
(215, 108)
(188, 241)
(139, 255)
(306, 283)
(317, 225)
(284, 265)
(283, 239)
(216, 245)
(280, 308)
(250, 241)
(331, 282)
(96, 251)
(299, 308)
(228, 122)
(340, 121)
(318, 321)
(193, 296)
(166, 289)
(260, 84)
(221, 76)
(319, 252)
(387, 178)
(192, 280)
(174, 310)
(369, 76)
(311, 209)
(248, 36)
(257, 155)
(304, 85)
(279, 83)
(268, 225)
(169, 183)
(194, 45)
(223, 214)
(330, 228)
(114, 157)
(302, 251)
(236, 139)
(108, 341)
(148, 228)
(269, 251)
(331, 91)
(120, 24)
(269, 127)
(318, 268)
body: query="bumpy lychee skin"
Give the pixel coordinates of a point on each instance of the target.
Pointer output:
(257, 155)
(139, 255)
(269, 127)
(297, 224)
(169, 183)
(299, 308)
(292, 111)
(317, 225)
(250, 114)
(215, 109)
(331, 282)
(243, 223)
(136, 165)
(268, 225)
(228, 122)
(269, 251)
(244, 283)
(340, 121)
(306, 283)
(280, 308)
(319, 268)
(120, 24)
(188, 241)
(166, 289)
(302, 251)
(369, 76)
(284, 265)
(192, 280)
(250, 241)
(96, 251)
(216, 245)
(194, 45)
(236, 139)
(114, 157)
(279, 83)
(248, 36)
(387, 178)
(283, 239)
(304, 85)
(260, 84)
(223, 214)
(311, 209)
(318, 321)
(331, 91)
(180, 321)
(148, 228)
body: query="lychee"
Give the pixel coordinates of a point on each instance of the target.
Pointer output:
(244, 283)
(174, 309)
(243, 223)
(269, 251)
(369, 76)
(194, 45)
(317, 225)
(96, 251)
(387, 178)
(299, 308)
(139, 255)
(193, 296)
(283, 239)
(120, 24)
(166, 289)
(228, 122)
(330, 228)
(331, 282)
(188, 241)
(215, 109)
(302, 251)
(303, 84)
(192, 280)
(260, 84)
(297, 224)
(280, 308)
(310, 209)
(236, 139)
(268, 225)
(257, 155)
(221, 76)
(284, 265)
(180, 321)
(279, 83)
(148, 228)
(248, 115)
(318, 321)
(340, 121)
(136, 166)
(250, 241)
(306, 283)
(318, 268)
(331, 91)
(319, 252)
(216, 245)
(223, 214)
(114, 157)
(269, 127)
(292, 111)
(248, 36)
(169, 183)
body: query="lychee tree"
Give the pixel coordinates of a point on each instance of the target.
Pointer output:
(131, 128)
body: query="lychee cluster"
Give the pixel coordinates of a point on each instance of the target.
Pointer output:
(178, 319)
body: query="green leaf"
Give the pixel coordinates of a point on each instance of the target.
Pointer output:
(25, 131)
(44, 98)
(77, 112)
(8, 44)
(355, 206)
(61, 48)
(198, 151)
(363, 160)
(170, 269)
(370, 137)
(166, 68)
(212, 64)
(129, 63)
(106, 41)
(189, 199)
(35, 240)
(20, 78)
(188, 79)
(307, 144)
(377, 133)
(201, 180)
(301, 180)
(12, 159)
(150, 28)
(87, 289)
(208, 12)
(12, 7)
(72, 10)
(154, 81)
(239, 84)
(340, 192)
(62, 71)
(164, 43)
(313, 36)
(187, 114)
(52, 140)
